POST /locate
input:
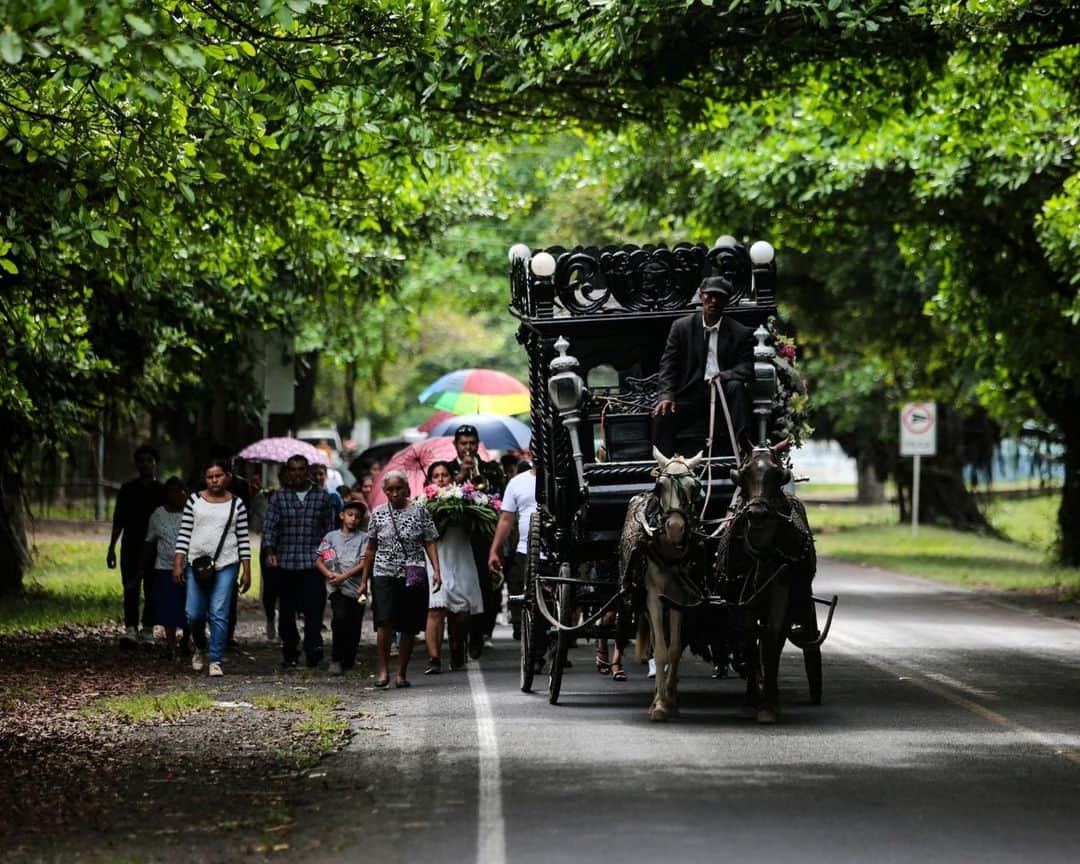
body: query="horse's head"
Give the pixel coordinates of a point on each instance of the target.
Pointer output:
(676, 488)
(761, 479)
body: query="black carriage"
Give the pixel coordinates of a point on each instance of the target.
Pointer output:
(594, 323)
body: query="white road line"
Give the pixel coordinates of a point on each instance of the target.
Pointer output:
(490, 827)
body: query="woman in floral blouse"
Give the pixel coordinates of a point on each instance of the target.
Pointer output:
(399, 535)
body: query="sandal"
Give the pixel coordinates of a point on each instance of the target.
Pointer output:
(617, 673)
(382, 683)
(402, 683)
(603, 666)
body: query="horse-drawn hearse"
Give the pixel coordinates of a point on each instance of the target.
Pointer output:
(673, 549)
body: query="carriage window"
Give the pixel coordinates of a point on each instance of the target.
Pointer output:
(603, 375)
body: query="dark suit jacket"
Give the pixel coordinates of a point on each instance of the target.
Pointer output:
(683, 364)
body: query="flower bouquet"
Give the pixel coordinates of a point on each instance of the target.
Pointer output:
(791, 405)
(452, 504)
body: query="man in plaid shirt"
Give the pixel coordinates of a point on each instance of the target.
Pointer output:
(297, 518)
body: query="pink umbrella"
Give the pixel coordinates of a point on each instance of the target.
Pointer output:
(434, 420)
(281, 449)
(414, 461)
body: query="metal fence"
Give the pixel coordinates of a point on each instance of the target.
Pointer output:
(76, 501)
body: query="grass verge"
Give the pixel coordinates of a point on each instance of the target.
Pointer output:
(317, 724)
(70, 584)
(150, 707)
(1021, 562)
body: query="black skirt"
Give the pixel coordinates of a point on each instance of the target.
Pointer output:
(396, 604)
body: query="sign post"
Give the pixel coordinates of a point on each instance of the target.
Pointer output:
(918, 438)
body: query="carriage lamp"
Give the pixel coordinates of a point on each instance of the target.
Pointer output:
(543, 264)
(725, 241)
(762, 253)
(519, 251)
(764, 386)
(566, 388)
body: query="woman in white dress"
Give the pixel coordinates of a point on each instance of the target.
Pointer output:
(459, 597)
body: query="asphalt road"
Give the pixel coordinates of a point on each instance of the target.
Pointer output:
(950, 731)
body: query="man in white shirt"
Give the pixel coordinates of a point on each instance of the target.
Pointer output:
(703, 350)
(518, 503)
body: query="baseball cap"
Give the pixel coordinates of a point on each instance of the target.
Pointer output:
(715, 285)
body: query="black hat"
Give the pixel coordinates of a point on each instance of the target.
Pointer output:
(353, 504)
(715, 285)
(465, 429)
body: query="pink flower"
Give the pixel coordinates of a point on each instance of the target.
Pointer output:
(467, 488)
(787, 352)
(431, 490)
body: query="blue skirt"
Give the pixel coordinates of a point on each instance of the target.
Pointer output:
(168, 601)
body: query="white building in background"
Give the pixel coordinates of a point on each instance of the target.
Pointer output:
(824, 462)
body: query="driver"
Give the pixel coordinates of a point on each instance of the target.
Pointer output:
(703, 349)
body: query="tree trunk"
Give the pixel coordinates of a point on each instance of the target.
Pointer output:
(1069, 511)
(307, 373)
(14, 551)
(350, 394)
(870, 488)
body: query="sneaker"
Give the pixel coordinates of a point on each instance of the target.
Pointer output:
(336, 668)
(271, 630)
(146, 636)
(434, 666)
(197, 661)
(489, 642)
(216, 671)
(130, 637)
(652, 668)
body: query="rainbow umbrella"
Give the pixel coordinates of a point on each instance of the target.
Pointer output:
(477, 391)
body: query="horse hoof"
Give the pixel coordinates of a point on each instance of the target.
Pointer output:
(658, 714)
(766, 715)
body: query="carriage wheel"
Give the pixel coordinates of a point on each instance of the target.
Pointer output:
(564, 611)
(528, 665)
(529, 619)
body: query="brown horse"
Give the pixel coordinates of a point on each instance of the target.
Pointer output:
(658, 528)
(768, 566)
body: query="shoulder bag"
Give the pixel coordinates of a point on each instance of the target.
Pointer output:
(205, 566)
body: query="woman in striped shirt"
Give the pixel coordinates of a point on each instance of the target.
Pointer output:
(208, 515)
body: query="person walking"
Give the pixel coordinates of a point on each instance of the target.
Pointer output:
(160, 546)
(297, 519)
(459, 597)
(518, 504)
(212, 545)
(487, 477)
(135, 501)
(340, 561)
(399, 534)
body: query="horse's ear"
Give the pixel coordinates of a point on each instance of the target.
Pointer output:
(735, 476)
(781, 446)
(660, 458)
(693, 461)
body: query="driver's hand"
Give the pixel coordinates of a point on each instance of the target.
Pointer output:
(495, 563)
(664, 406)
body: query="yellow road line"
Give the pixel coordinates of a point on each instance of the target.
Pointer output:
(917, 678)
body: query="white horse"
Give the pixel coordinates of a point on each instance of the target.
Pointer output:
(658, 525)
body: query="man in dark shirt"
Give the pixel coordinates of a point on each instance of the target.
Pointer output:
(297, 518)
(705, 350)
(135, 501)
(486, 477)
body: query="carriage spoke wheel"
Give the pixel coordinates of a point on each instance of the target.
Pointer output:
(564, 611)
(530, 620)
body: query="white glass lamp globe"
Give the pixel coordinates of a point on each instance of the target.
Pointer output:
(762, 252)
(518, 251)
(725, 241)
(543, 264)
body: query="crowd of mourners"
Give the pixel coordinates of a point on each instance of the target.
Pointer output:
(187, 555)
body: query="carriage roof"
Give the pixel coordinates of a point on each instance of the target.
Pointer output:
(615, 305)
